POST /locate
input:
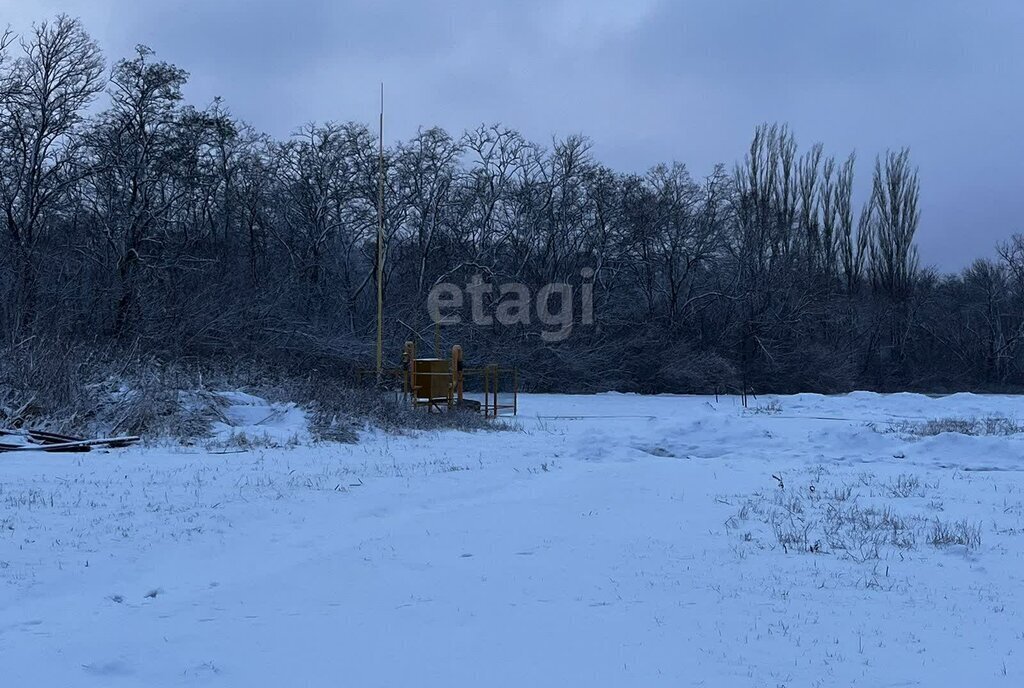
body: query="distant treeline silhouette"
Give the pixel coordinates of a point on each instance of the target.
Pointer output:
(138, 225)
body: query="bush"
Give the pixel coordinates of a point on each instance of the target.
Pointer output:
(990, 425)
(75, 390)
(339, 409)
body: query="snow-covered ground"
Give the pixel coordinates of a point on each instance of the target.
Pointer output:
(613, 540)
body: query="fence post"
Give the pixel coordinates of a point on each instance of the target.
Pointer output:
(515, 391)
(486, 395)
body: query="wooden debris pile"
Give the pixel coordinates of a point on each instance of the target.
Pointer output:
(38, 440)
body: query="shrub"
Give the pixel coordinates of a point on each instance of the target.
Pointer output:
(988, 426)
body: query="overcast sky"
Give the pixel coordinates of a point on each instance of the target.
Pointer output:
(647, 80)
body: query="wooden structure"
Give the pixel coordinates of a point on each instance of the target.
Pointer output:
(427, 381)
(438, 384)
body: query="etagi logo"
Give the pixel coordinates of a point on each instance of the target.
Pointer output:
(554, 304)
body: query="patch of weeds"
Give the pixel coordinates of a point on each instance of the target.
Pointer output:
(772, 408)
(865, 532)
(904, 486)
(841, 493)
(792, 531)
(830, 520)
(338, 411)
(962, 532)
(997, 426)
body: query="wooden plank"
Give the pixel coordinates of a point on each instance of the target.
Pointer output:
(52, 437)
(76, 446)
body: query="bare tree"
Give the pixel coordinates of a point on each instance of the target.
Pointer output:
(134, 152)
(894, 196)
(47, 88)
(853, 244)
(427, 166)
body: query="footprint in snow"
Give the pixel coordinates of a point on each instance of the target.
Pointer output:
(112, 668)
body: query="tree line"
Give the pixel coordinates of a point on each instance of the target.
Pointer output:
(135, 222)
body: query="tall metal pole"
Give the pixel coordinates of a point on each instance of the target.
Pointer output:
(380, 243)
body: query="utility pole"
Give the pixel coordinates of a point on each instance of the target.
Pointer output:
(380, 243)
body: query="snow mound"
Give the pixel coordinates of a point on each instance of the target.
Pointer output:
(251, 420)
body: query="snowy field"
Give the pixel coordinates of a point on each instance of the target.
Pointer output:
(612, 540)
